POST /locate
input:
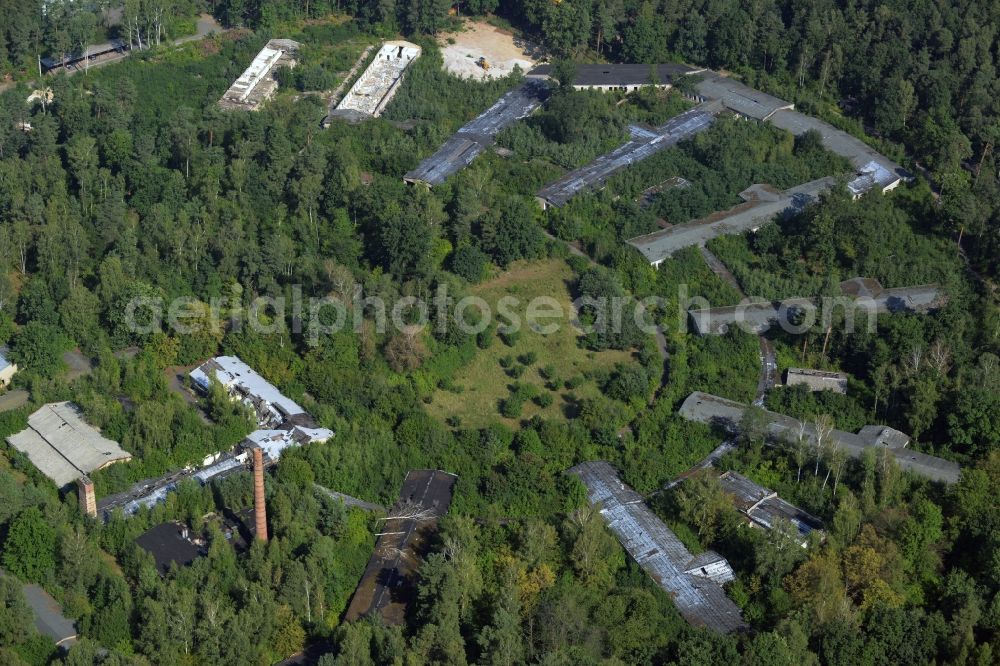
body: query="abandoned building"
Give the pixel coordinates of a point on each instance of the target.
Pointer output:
(727, 414)
(817, 380)
(63, 446)
(479, 134)
(798, 314)
(76, 58)
(258, 82)
(171, 543)
(763, 508)
(871, 169)
(643, 143)
(387, 585)
(761, 205)
(377, 85)
(694, 582)
(282, 421)
(623, 77)
(283, 424)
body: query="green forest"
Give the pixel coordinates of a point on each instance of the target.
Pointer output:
(133, 183)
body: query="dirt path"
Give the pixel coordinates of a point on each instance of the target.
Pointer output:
(765, 382)
(205, 26)
(348, 500)
(768, 360)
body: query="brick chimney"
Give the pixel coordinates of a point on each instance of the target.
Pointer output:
(88, 498)
(260, 510)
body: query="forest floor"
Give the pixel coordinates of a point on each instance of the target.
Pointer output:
(501, 49)
(485, 382)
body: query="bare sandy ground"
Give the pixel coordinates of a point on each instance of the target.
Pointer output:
(500, 48)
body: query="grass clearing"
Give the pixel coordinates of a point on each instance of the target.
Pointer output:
(484, 383)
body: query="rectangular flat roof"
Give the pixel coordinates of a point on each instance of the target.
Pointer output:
(602, 74)
(701, 601)
(378, 83)
(64, 447)
(721, 412)
(739, 97)
(745, 217)
(257, 81)
(479, 133)
(642, 145)
(871, 166)
(386, 587)
(817, 380)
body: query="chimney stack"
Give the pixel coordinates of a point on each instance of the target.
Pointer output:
(88, 498)
(260, 510)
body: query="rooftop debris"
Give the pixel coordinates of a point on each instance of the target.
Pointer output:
(386, 587)
(258, 83)
(764, 508)
(693, 582)
(377, 85)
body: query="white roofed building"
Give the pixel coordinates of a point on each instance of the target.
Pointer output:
(243, 383)
(62, 446)
(257, 83)
(283, 422)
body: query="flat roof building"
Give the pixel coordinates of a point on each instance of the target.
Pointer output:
(817, 380)
(387, 585)
(738, 97)
(258, 83)
(284, 424)
(694, 582)
(64, 447)
(644, 143)
(918, 298)
(244, 384)
(762, 205)
(171, 543)
(794, 313)
(720, 412)
(73, 58)
(622, 77)
(377, 85)
(763, 508)
(871, 167)
(753, 318)
(479, 134)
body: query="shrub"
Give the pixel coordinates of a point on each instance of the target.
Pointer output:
(510, 338)
(485, 338)
(511, 407)
(543, 400)
(528, 358)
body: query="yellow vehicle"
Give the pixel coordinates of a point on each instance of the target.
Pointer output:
(482, 62)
